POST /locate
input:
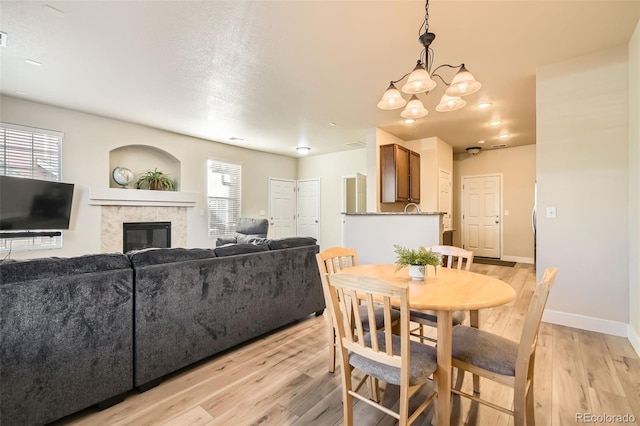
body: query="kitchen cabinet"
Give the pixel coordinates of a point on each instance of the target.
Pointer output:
(399, 174)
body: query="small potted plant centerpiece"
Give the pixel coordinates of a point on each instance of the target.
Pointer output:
(156, 180)
(417, 260)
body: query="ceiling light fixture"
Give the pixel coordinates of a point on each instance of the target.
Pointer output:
(503, 135)
(303, 150)
(473, 150)
(484, 105)
(421, 80)
(495, 123)
(32, 62)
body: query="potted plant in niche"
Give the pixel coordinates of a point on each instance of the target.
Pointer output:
(156, 180)
(417, 260)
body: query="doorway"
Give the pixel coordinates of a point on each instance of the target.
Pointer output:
(354, 193)
(308, 224)
(294, 208)
(282, 208)
(481, 219)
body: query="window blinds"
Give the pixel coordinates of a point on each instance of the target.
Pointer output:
(223, 195)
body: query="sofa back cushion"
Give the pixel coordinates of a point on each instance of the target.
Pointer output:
(234, 249)
(155, 256)
(48, 267)
(284, 243)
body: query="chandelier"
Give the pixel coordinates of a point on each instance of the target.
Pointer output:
(421, 80)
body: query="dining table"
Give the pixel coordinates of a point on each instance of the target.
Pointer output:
(443, 290)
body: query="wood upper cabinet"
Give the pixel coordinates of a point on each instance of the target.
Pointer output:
(399, 174)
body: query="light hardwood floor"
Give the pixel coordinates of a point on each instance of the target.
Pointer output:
(282, 378)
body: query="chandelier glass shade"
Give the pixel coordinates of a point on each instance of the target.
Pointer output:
(415, 109)
(421, 80)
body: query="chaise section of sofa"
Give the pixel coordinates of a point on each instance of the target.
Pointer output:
(65, 335)
(197, 303)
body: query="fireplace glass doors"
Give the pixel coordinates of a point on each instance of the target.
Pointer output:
(141, 235)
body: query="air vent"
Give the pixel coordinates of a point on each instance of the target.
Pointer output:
(3, 39)
(356, 144)
(500, 145)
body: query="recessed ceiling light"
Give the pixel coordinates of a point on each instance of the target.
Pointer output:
(480, 141)
(495, 123)
(503, 135)
(409, 121)
(31, 62)
(304, 150)
(233, 138)
(484, 105)
(332, 124)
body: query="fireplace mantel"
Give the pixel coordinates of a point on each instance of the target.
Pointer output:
(140, 197)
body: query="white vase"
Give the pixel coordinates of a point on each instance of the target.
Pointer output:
(417, 272)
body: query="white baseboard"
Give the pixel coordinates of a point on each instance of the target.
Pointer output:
(518, 259)
(634, 338)
(582, 322)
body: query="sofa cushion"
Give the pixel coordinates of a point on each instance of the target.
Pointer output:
(155, 256)
(290, 242)
(234, 249)
(43, 268)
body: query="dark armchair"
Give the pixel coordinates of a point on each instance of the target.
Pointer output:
(246, 229)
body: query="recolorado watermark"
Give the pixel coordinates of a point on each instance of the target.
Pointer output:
(605, 418)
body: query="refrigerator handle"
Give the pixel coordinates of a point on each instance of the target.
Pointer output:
(533, 220)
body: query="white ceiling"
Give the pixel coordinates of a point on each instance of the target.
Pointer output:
(277, 73)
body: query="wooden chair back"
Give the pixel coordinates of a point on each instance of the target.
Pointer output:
(347, 293)
(455, 255)
(529, 336)
(335, 259)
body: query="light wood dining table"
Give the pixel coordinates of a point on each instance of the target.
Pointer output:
(445, 290)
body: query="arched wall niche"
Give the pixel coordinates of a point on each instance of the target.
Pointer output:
(142, 158)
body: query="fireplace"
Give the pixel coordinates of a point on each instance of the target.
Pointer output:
(141, 235)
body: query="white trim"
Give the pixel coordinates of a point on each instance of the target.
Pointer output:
(140, 197)
(583, 322)
(634, 338)
(518, 259)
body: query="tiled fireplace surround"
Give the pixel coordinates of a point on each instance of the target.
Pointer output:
(130, 205)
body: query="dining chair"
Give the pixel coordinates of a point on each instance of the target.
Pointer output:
(502, 360)
(394, 359)
(461, 259)
(330, 261)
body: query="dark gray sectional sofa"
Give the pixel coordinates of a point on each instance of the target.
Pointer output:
(82, 331)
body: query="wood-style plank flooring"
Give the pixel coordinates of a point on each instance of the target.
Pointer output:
(282, 378)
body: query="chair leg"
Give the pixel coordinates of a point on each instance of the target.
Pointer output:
(332, 350)
(374, 389)
(460, 379)
(530, 415)
(404, 405)
(347, 399)
(519, 405)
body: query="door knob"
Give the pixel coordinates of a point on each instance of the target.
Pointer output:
(497, 221)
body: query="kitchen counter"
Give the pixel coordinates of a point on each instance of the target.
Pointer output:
(373, 235)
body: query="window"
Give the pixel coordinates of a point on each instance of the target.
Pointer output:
(223, 197)
(31, 153)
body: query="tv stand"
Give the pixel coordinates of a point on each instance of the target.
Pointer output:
(27, 234)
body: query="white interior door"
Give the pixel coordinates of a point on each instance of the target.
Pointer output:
(309, 208)
(481, 215)
(282, 208)
(444, 197)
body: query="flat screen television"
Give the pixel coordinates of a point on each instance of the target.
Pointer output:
(29, 204)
